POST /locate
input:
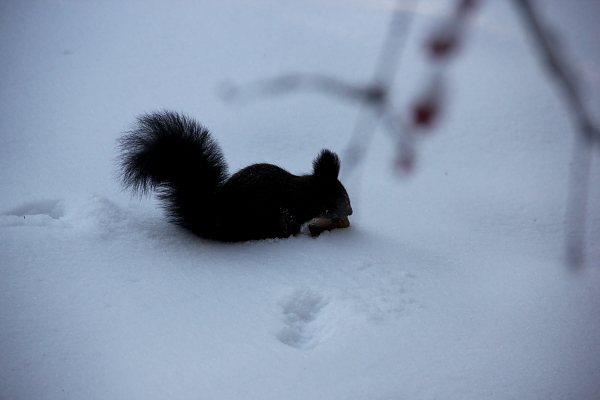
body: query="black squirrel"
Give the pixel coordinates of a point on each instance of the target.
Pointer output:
(176, 157)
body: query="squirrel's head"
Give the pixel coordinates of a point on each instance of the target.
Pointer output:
(331, 196)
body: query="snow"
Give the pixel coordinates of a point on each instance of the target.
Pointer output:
(449, 284)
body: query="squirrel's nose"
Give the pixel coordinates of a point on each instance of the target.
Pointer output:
(347, 208)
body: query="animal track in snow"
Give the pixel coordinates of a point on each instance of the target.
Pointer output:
(363, 294)
(301, 313)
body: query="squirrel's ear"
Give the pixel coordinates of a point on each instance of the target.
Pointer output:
(326, 165)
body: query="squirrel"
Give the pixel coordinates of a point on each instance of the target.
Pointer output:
(177, 157)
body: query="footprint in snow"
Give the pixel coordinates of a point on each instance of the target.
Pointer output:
(301, 313)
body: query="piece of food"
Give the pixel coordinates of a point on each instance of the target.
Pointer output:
(317, 225)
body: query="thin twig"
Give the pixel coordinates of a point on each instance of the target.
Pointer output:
(383, 78)
(560, 69)
(296, 82)
(576, 214)
(588, 134)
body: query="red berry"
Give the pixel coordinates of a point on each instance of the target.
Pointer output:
(442, 45)
(425, 113)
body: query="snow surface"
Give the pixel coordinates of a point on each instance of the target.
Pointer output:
(450, 284)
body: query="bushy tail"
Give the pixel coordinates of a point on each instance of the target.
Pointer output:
(175, 156)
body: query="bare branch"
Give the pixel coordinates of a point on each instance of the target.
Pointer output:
(579, 180)
(576, 215)
(309, 82)
(383, 78)
(557, 65)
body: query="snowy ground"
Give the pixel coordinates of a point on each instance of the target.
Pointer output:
(449, 284)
